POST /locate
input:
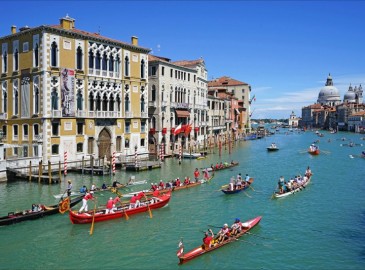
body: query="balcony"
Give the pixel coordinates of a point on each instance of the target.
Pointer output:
(179, 105)
(152, 104)
(3, 116)
(144, 115)
(128, 114)
(56, 113)
(98, 114)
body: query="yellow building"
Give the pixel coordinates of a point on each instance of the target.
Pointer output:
(68, 90)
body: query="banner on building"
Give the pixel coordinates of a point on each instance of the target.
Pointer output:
(67, 92)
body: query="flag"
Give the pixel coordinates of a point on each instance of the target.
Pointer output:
(64, 205)
(188, 128)
(177, 130)
(180, 251)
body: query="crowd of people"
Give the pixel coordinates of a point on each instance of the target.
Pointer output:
(294, 182)
(238, 182)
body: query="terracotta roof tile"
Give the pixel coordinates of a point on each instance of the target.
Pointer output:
(225, 81)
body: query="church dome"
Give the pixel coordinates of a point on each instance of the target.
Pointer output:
(329, 94)
(350, 95)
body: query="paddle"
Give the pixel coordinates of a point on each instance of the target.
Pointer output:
(250, 233)
(92, 223)
(124, 211)
(255, 244)
(149, 209)
(247, 194)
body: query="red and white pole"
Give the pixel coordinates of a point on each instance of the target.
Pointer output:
(136, 156)
(113, 163)
(65, 163)
(180, 153)
(162, 152)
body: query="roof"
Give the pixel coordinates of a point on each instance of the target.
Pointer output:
(361, 113)
(225, 81)
(188, 63)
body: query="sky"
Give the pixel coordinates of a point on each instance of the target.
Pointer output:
(284, 49)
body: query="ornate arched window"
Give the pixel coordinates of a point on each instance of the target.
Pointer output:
(36, 55)
(126, 105)
(54, 99)
(126, 67)
(91, 59)
(143, 66)
(79, 58)
(54, 49)
(79, 100)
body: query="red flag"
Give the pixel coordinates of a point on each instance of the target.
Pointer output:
(188, 128)
(177, 130)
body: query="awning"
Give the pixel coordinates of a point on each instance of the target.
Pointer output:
(181, 113)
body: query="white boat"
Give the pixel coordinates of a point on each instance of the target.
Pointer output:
(192, 155)
(300, 188)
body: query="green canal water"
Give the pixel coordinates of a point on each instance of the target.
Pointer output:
(321, 227)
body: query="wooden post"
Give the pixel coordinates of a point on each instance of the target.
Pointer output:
(92, 165)
(39, 171)
(49, 172)
(82, 164)
(30, 170)
(59, 170)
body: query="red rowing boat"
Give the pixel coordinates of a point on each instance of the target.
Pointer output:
(100, 215)
(196, 252)
(314, 153)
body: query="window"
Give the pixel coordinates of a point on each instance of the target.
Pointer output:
(55, 127)
(163, 71)
(15, 151)
(79, 147)
(171, 72)
(4, 57)
(153, 71)
(80, 128)
(79, 58)
(118, 144)
(117, 63)
(35, 151)
(126, 143)
(194, 78)
(142, 103)
(111, 63)
(143, 126)
(15, 97)
(91, 59)
(126, 67)
(25, 150)
(142, 142)
(15, 132)
(36, 55)
(36, 95)
(25, 132)
(98, 60)
(54, 99)
(55, 149)
(4, 86)
(126, 103)
(127, 127)
(90, 146)
(16, 60)
(54, 49)
(143, 66)
(36, 131)
(153, 93)
(104, 62)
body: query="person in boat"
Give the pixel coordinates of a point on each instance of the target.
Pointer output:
(178, 183)
(221, 165)
(34, 207)
(115, 201)
(115, 184)
(161, 185)
(109, 206)
(232, 183)
(83, 189)
(308, 172)
(236, 227)
(288, 186)
(186, 181)
(69, 188)
(130, 181)
(140, 195)
(225, 164)
(247, 179)
(196, 174)
(239, 183)
(155, 196)
(206, 174)
(281, 184)
(153, 187)
(217, 166)
(132, 202)
(223, 233)
(212, 166)
(168, 185)
(208, 239)
(88, 196)
(93, 187)
(239, 177)
(104, 186)
(284, 187)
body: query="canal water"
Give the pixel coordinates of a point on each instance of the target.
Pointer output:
(321, 227)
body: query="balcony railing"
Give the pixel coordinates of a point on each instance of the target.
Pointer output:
(3, 116)
(152, 104)
(98, 114)
(56, 113)
(179, 105)
(128, 114)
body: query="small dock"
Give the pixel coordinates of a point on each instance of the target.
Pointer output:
(95, 170)
(15, 175)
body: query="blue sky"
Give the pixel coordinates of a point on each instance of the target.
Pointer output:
(283, 49)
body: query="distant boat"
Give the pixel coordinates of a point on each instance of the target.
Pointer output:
(191, 156)
(272, 148)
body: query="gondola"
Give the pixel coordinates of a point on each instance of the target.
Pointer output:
(16, 217)
(272, 149)
(277, 194)
(227, 190)
(100, 214)
(225, 166)
(198, 251)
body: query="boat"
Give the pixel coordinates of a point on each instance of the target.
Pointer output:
(277, 194)
(200, 250)
(272, 147)
(16, 217)
(313, 152)
(223, 167)
(121, 211)
(174, 188)
(77, 193)
(226, 189)
(191, 155)
(129, 184)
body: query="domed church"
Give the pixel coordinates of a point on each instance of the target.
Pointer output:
(329, 94)
(353, 95)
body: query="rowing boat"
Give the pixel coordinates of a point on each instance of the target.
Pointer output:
(174, 188)
(313, 152)
(200, 250)
(225, 166)
(277, 194)
(77, 193)
(16, 217)
(101, 215)
(227, 190)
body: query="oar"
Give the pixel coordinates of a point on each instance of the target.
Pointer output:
(252, 243)
(149, 209)
(125, 212)
(247, 194)
(92, 223)
(220, 227)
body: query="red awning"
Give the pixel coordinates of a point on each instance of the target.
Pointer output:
(181, 113)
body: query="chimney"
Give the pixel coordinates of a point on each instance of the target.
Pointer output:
(13, 29)
(135, 40)
(67, 23)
